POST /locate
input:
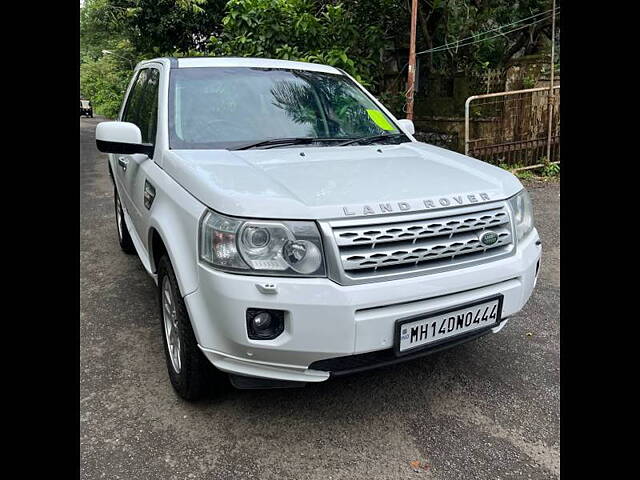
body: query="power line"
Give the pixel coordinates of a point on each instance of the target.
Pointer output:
(507, 25)
(461, 42)
(457, 45)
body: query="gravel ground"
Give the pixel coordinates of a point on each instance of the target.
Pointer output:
(489, 409)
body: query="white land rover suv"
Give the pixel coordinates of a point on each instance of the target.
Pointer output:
(297, 230)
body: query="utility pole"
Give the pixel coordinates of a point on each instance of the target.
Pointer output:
(550, 95)
(411, 76)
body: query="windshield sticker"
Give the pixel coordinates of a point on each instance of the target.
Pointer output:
(380, 120)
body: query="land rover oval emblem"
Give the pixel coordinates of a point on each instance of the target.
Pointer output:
(488, 238)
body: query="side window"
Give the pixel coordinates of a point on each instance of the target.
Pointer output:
(142, 105)
(130, 113)
(148, 108)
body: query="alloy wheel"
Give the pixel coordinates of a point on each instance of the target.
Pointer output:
(171, 324)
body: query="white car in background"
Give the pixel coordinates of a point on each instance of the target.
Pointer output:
(86, 108)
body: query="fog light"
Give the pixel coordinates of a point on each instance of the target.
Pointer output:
(264, 324)
(262, 321)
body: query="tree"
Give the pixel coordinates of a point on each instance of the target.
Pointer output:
(155, 27)
(301, 30)
(447, 21)
(367, 38)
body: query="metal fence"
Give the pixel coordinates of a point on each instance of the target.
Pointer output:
(512, 128)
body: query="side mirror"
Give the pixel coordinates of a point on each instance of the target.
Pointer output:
(407, 126)
(121, 137)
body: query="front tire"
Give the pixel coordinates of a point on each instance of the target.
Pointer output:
(126, 244)
(190, 373)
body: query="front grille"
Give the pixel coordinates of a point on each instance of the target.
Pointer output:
(378, 249)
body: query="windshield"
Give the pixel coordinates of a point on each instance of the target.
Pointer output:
(220, 108)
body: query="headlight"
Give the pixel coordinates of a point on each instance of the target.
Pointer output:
(267, 247)
(522, 214)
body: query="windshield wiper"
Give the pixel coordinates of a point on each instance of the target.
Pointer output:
(277, 142)
(280, 142)
(375, 138)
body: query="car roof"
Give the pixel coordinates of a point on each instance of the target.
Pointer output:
(199, 62)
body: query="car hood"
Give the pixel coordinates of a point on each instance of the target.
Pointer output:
(336, 182)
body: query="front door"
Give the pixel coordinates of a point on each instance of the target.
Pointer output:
(142, 110)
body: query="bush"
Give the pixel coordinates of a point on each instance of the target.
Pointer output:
(297, 30)
(104, 82)
(551, 170)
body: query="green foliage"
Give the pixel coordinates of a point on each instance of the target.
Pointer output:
(299, 30)
(546, 172)
(157, 27)
(104, 82)
(134, 30)
(150, 27)
(304, 30)
(525, 175)
(395, 102)
(529, 81)
(366, 38)
(551, 170)
(452, 20)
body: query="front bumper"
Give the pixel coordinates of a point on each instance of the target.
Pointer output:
(324, 320)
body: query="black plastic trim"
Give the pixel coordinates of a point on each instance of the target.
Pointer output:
(278, 316)
(151, 190)
(387, 357)
(249, 383)
(125, 148)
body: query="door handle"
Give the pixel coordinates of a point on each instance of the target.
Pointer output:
(123, 162)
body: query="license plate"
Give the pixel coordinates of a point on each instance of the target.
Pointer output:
(438, 327)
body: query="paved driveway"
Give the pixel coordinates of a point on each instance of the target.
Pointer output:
(486, 410)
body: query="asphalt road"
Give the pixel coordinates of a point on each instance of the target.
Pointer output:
(489, 409)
